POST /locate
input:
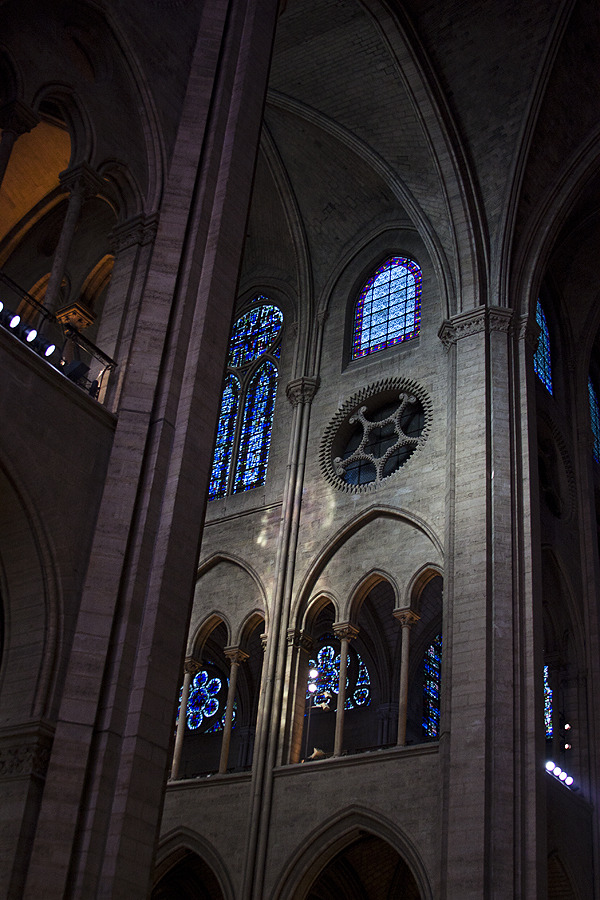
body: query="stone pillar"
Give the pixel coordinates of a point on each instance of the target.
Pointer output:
(346, 633)
(299, 647)
(489, 748)
(101, 808)
(235, 656)
(131, 243)
(16, 118)
(82, 182)
(407, 619)
(191, 668)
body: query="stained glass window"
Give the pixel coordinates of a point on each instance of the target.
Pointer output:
(327, 665)
(388, 310)
(541, 359)
(431, 688)
(595, 418)
(207, 702)
(548, 703)
(246, 419)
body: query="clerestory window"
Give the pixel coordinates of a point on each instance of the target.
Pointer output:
(541, 359)
(248, 403)
(594, 418)
(326, 681)
(432, 678)
(388, 309)
(207, 702)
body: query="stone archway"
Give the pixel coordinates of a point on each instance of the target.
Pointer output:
(190, 878)
(366, 869)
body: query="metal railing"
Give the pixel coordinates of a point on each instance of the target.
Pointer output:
(60, 343)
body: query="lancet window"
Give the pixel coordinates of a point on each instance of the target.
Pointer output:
(432, 677)
(388, 309)
(548, 704)
(541, 359)
(248, 403)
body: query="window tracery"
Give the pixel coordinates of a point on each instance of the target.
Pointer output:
(207, 701)
(541, 360)
(388, 309)
(248, 402)
(327, 666)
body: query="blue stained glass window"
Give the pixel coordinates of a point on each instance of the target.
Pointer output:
(594, 418)
(431, 688)
(219, 477)
(548, 703)
(541, 359)
(327, 665)
(207, 702)
(388, 310)
(246, 419)
(257, 422)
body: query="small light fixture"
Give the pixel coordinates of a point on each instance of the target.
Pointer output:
(14, 321)
(567, 726)
(312, 688)
(29, 334)
(314, 673)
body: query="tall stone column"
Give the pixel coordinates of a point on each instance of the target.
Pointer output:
(488, 749)
(191, 668)
(82, 183)
(407, 619)
(101, 808)
(299, 647)
(16, 118)
(236, 656)
(346, 633)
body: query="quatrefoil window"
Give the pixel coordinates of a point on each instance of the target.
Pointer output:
(375, 433)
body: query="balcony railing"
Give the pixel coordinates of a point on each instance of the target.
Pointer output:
(54, 337)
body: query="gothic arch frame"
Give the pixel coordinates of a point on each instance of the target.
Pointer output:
(363, 587)
(332, 836)
(174, 844)
(217, 557)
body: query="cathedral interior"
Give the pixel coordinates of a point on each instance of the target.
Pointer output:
(300, 449)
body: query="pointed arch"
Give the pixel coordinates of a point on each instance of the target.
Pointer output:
(174, 846)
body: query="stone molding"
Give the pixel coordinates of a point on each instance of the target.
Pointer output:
(299, 640)
(83, 180)
(139, 231)
(17, 117)
(25, 757)
(529, 331)
(475, 321)
(302, 390)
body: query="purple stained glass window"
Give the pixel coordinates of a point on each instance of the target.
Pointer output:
(431, 688)
(245, 423)
(388, 310)
(541, 359)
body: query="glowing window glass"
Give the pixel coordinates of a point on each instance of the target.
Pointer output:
(388, 310)
(246, 419)
(327, 664)
(431, 688)
(547, 703)
(594, 418)
(207, 702)
(541, 359)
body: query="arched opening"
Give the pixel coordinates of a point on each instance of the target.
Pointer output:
(366, 869)
(206, 726)
(426, 642)
(190, 878)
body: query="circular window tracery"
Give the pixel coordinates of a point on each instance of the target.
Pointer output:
(374, 434)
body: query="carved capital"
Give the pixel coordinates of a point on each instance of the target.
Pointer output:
(235, 655)
(138, 231)
(24, 759)
(406, 617)
(302, 390)
(82, 179)
(344, 630)
(475, 321)
(264, 639)
(17, 117)
(299, 640)
(191, 666)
